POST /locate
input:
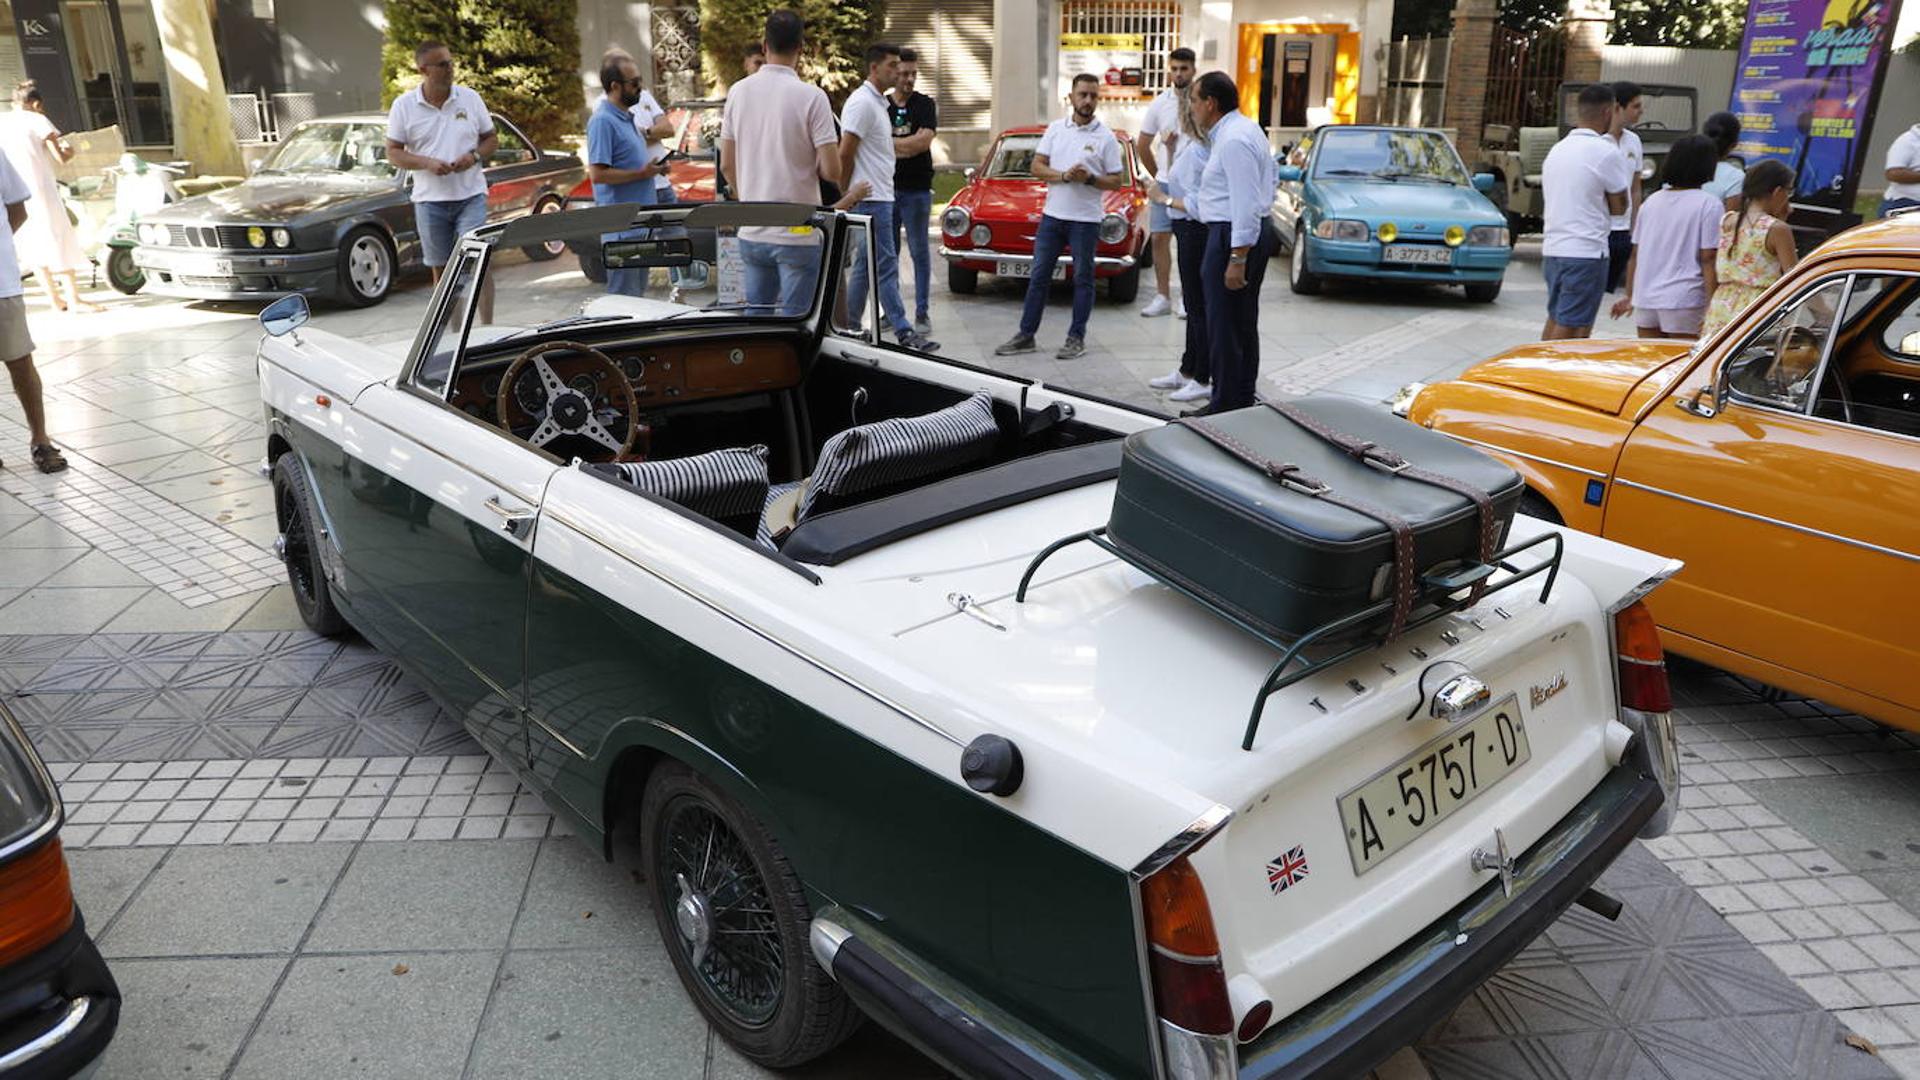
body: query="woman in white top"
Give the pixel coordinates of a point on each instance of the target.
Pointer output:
(47, 242)
(1676, 240)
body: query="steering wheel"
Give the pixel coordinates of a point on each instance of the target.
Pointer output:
(569, 412)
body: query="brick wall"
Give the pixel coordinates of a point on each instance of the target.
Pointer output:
(1467, 59)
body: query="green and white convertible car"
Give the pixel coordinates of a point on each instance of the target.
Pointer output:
(743, 581)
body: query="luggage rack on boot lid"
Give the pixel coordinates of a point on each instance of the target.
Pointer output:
(1395, 525)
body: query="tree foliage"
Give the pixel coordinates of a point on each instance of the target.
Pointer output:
(1692, 24)
(838, 32)
(521, 56)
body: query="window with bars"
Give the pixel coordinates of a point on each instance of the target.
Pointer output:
(1155, 22)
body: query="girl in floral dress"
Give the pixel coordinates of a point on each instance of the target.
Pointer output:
(1756, 247)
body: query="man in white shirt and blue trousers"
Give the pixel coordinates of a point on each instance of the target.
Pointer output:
(866, 157)
(1234, 200)
(1078, 158)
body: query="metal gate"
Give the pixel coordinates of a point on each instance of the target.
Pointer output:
(1523, 77)
(1415, 88)
(676, 52)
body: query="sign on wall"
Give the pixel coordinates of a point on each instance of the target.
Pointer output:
(1117, 60)
(1809, 74)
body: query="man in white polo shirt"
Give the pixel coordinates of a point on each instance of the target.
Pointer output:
(443, 134)
(1903, 172)
(1585, 182)
(783, 131)
(866, 156)
(1161, 128)
(1078, 158)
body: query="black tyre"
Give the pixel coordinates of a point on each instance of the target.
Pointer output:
(591, 264)
(300, 548)
(123, 273)
(1300, 279)
(552, 249)
(1535, 505)
(1122, 288)
(1483, 292)
(365, 269)
(962, 280)
(735, 920)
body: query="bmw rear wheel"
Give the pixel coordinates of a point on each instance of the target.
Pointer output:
(365, 268)
(1299, 278)
(552, 249)
(736, 923)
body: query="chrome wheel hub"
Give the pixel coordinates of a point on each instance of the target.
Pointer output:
(693, 915)
(367, 265)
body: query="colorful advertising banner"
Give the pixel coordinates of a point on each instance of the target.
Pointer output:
(1117, 60)
(1805, 88)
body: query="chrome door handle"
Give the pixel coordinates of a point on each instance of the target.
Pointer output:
(515, 523)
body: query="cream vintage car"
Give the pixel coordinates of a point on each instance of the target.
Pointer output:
(745, 581)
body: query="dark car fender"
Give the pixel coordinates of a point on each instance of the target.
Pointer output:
(633, 749)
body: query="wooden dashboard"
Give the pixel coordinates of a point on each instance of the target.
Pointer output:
(662, 376)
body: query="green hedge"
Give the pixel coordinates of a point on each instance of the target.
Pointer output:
(838, 32)
(521, 56)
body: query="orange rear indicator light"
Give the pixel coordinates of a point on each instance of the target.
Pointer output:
(1643, 664)
(36, 902)
(1183, 952)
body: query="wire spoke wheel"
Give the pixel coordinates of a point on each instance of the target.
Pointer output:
(724, 915)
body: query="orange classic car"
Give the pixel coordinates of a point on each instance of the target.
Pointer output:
(1780, 459)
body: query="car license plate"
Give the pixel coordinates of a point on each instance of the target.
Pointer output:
(1017, 268)
(1417, 254)
(219, 267)
(1405, 800)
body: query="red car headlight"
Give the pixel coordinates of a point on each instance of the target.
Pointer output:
(955, 220)
(1113, 229)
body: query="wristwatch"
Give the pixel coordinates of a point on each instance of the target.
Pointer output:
(1236, 259)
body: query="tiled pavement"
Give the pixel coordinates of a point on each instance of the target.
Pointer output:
(300, 867)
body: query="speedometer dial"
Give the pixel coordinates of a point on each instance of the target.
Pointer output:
(530, 394)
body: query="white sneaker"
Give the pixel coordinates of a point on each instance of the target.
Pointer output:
(1192, 391)
(1172, 380)
(1180, 307)
(1156, 307)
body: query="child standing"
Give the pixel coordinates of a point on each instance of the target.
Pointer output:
(1676, 240)
(1756, 247)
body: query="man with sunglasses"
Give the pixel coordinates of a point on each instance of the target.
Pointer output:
(618, 162)
(444, 135)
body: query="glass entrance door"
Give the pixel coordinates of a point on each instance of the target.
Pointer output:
(119, 73)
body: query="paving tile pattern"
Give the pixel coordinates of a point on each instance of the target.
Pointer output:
(1669, 990)
(212, 696)
(1841, 939)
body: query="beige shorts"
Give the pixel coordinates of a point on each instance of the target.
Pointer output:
(15, 342)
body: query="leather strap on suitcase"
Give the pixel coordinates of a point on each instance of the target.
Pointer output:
(1290, 475)
(1380, 457)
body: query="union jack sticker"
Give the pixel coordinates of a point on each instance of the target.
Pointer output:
(1287, 870)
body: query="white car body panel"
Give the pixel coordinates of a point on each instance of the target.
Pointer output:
(1127, 700)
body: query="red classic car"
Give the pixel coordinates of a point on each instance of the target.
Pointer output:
(989, 225)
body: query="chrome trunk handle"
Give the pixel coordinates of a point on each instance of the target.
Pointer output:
(515, 523)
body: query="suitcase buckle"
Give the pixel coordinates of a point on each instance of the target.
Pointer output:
(1308, 486)
(1393, 466)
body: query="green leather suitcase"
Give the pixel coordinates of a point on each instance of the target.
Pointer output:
(1295, 515)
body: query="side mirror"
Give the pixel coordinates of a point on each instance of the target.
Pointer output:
(1289, 174)
(285, 315)
(1484, 181)
(254, 165)
(970, 171)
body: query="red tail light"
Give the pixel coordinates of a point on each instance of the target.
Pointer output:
(1189, 984)
(1643, 664)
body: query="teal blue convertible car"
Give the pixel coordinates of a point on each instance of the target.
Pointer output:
(1388, 204)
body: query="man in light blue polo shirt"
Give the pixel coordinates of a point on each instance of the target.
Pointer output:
(618, 162)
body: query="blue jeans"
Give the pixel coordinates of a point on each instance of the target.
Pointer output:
(780, 278)
(1574, 288)
(443, 223)
(1888, 206)
(915, 210)
(1079, 238)
(1233, 315)
(886, 268)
